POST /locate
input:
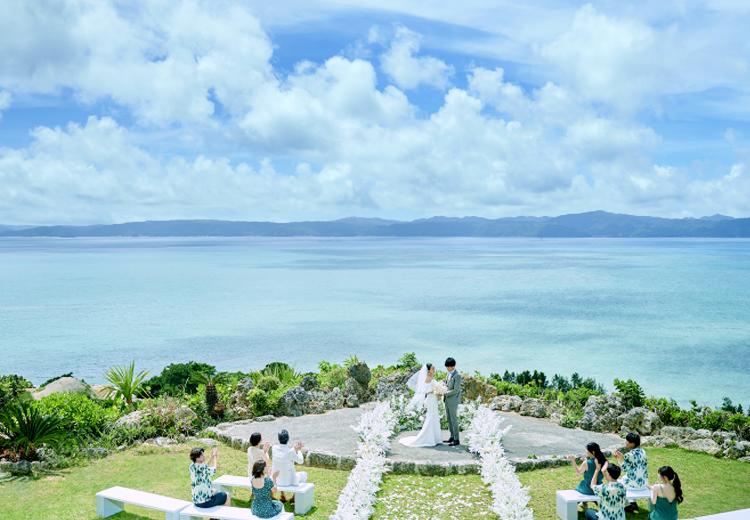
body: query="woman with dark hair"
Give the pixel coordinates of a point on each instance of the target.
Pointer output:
(263, 488)
(612, 496)
(257, 451)
(591, 468)
(666, 495)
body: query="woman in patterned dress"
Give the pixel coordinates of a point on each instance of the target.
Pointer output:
(263, 487)
(612, 496)
(666, 495)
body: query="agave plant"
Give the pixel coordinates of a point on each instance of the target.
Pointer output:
(281, 371)
(212, 395)
(125, 384)
(24, 428)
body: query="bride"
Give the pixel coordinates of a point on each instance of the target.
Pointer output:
(425, 395)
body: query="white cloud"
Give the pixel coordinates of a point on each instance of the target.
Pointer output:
(161, 59)
(409, 71)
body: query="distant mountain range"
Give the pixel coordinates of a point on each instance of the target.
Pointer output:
(590, 224)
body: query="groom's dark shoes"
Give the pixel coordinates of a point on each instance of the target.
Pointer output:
(449, 441)
(454, 443)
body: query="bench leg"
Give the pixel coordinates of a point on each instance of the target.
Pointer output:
(303, 502)
(172, 516)
(106, 507)
(566, 510)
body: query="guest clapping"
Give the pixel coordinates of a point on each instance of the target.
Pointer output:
(263, 488)
(634, 465)
(612, 494)
(257, 451)
(200, 479)
(284, 458)
(588, 468)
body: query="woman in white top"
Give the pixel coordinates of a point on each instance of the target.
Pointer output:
(257, 451)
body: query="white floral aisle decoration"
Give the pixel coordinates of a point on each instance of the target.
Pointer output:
(374, 430)
(510, 500)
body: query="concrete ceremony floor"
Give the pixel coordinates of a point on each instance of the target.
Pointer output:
(332, 442)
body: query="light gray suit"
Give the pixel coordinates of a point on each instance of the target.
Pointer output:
(452, 400)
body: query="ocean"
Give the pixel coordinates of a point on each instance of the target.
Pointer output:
(674, 314)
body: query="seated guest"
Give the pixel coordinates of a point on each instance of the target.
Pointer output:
(200, 479)
(284, 458)
(634, 465)
(263, 487)
(257, 451)
(666, 495)
(594, 458)
(612, 495)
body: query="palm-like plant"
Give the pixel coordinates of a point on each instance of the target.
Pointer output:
(212, 395)
(23, 427)
(125, 384)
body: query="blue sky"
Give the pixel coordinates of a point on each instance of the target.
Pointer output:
(322, 110)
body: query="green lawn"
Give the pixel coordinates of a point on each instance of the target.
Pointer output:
(711, 486)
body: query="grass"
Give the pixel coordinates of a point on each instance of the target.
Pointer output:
(69, 495)
(711, 486)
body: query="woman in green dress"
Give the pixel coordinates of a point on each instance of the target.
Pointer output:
(666, 495)
(588, 468)
(263, 487)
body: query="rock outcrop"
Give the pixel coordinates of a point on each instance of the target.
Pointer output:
(534, 408)
(601, 413)
(62, 385)
(506, 403)
(640, 420)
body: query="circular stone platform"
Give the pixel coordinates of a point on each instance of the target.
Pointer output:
(331, 442)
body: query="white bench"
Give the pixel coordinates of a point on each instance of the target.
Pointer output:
(567, 501)
(740, 514)
(225, 513)
(111, 501)
(304, 494)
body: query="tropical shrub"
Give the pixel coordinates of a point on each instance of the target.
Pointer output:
(166, 416)
(263, 402)
(81, 417)
(408, 361)
(12, 386)
(269, 383)
(24, 428)
(211, 394)
(283, 372)
(332, 375)
(125, 384)
(179, 378)
(630, 392)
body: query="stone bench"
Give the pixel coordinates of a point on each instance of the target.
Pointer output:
(112, 501)
(225, 513)
(567, 501)
(740, 514)
(304, 494)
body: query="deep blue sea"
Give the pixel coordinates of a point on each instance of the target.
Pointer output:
(672, 313)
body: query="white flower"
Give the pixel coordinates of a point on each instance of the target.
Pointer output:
(510, 500)
(358, 496)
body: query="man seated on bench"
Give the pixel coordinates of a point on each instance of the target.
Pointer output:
(284, 458)
(612, 495)
(200, 479)
(634, 465)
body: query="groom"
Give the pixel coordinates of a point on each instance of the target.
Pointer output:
(452, 399)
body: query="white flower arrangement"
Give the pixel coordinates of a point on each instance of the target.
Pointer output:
(440, 389)
(375, 429)
(510, 500)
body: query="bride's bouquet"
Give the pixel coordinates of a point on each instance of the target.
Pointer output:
(440, 389)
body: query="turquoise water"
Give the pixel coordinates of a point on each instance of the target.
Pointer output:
(672, 313)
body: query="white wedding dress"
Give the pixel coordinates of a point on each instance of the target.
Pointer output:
(430, 434)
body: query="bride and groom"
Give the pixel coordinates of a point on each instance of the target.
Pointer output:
(427, 391)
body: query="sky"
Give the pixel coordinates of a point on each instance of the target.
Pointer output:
(114, 111)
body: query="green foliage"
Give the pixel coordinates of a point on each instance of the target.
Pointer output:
(668, 411)
(262, 402)
(571, 418)
(577, 397)
(332, 375)
(125, 384)
(81, 417)
(283, 373)
(728, 406)
(408, 361)
(269, 383)
(11, 387)
(24, 427)
(630, 392)
(179, 378)
(351, 360)
(165, 416)
(211, 394)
